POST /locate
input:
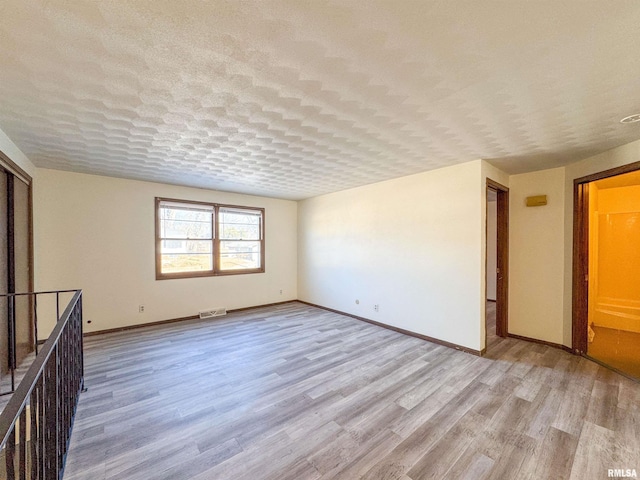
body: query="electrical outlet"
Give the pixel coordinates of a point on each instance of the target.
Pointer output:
(280, 292)
(141, 309)
(376, 307)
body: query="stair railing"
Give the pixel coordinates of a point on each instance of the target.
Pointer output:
(36, 424)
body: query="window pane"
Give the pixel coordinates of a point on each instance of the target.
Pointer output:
(237, 231)
(177, 223)
(239, 225)
(239, 255)
(186, 256)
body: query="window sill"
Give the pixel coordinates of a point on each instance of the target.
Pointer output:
(208, 273)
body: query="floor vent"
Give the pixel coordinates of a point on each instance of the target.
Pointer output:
(214, 312)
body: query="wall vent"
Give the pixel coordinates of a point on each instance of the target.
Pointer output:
(214, 312)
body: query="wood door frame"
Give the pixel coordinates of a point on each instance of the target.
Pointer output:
(580, 284)
(502, 257)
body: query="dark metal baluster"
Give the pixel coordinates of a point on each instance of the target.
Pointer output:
(57, 307)
(77, 326)
(51, 453)
(41, 425)
(81, 341)
(22, 445)
(12, 340)
(59, 407)
(10, 453)
(33, 440)
(70, 395)
(66, 396)
(64, 393)
(60, 394)
(72, 359)
(35, 319)
(78, 346)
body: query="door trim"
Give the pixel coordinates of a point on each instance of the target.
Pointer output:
(580, 284)
(502, 257)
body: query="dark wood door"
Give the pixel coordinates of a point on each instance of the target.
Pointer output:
(22, 273)
(16, 330)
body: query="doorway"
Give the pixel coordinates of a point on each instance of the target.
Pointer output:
(497, 262)
(16, 269)
(607, 269)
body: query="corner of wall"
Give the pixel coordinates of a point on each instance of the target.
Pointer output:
(14, 153)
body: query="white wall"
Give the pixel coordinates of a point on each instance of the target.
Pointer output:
(11, 150)
(536, 256)
(492, 257)
(97, 233)
(412, 245)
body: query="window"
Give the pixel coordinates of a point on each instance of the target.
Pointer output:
(195, 239)
(240, 232)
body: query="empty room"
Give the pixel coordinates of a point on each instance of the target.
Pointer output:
(319, 239)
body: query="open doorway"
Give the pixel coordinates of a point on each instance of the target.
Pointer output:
(606, 324)
(17, 335)
(492, 263)
(497, 262)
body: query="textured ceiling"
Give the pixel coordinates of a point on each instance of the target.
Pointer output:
(295, 99)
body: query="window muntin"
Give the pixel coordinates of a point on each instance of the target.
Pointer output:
(202, 239)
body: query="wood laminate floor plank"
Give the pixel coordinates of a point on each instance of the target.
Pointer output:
(296, 392)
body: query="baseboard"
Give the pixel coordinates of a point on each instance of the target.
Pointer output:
(401, 330)
(140, 325)
(175, 320)
(542, 342)
(261, 306)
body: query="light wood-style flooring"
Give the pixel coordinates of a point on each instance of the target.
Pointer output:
(295, 392)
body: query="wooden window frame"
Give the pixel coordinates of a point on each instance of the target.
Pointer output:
(215, 271)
